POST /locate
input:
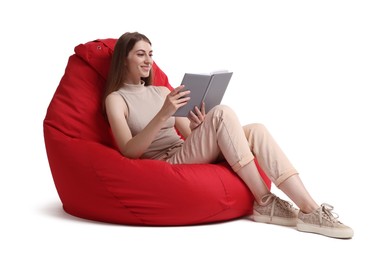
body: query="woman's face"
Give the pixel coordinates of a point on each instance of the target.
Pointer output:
(139, 62)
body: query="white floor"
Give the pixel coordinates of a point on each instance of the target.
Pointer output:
(44, 231)
(306, 69)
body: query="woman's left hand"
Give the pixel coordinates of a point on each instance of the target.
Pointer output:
(197, 117)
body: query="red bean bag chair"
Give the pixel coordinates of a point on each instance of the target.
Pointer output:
(94, 181)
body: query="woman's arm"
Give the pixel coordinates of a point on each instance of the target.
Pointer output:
(134, 147)
(182, 125)
(131, 147)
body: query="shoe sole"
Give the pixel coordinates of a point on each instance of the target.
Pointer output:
(326, 231)
(290, 222)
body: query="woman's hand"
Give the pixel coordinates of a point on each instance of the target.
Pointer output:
(197, 117)
(174, 100)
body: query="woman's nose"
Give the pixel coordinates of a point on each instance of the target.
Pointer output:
(148, 59)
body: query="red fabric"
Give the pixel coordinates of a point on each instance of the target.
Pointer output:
(94, 181)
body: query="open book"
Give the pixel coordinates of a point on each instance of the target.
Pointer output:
(208, 88)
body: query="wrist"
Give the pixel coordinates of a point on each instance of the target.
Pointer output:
(161, 117)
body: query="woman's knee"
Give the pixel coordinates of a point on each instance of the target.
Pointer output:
(222, 111)
(255, 129)
(258, 127)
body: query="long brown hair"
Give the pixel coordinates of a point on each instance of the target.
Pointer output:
(117, 70)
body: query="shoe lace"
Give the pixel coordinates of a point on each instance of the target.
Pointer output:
(325, 211)
(284, 203)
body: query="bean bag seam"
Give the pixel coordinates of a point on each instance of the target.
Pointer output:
(116, 197)
(227, 194)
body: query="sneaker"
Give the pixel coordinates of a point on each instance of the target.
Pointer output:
(323, 221)
(275, 211)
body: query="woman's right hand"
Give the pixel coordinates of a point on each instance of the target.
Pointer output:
(174, 100)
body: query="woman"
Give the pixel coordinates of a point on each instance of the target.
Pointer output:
(140, 116)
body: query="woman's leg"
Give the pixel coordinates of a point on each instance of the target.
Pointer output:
(311, 217)
(252, 178)
(294, 188)
(276, 165)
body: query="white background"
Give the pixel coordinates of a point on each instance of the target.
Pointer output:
(305, 69)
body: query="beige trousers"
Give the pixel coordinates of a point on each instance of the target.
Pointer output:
(221, 136)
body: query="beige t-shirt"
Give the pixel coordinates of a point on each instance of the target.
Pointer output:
(143, 103)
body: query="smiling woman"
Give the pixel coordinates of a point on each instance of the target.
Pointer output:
(95, 181)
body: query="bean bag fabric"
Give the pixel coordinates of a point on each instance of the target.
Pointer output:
(94, 181)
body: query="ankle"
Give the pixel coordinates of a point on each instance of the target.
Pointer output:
(264, 199)
(306, 209)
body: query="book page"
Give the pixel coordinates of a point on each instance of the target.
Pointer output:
(216, 90)
(218, 72)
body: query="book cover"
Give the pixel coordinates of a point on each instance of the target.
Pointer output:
(208, 88)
